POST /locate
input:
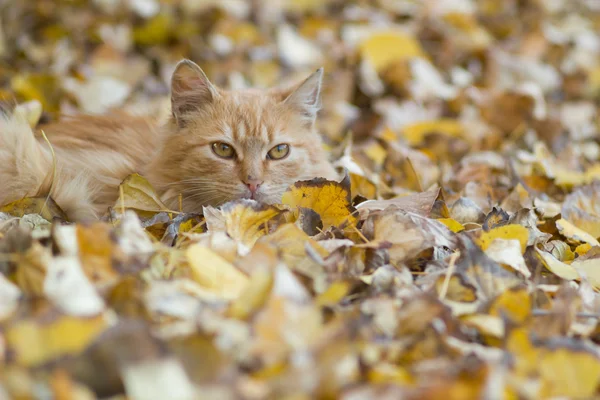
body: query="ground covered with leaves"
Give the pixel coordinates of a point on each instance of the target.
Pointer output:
(458, 258)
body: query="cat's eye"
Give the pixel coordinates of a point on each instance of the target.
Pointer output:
(223, 150)
(279, 152)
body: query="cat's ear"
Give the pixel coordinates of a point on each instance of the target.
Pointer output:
(190, 90)
(306, 98)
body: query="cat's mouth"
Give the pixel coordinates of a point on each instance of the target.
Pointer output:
(251, 195)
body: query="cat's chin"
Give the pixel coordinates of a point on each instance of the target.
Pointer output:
(260, 198)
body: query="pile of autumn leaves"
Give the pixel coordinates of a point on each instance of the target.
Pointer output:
(323, 295)
(458, 258)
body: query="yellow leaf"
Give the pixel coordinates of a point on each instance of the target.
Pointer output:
(452, 224)
(329, 199)
(582, 249)
(384, 373)
(526, 355)
(489, 325)
(258, 289)
(376, 153)
(155, 31)
(557, 267)
(457, 289)
(292, 243)
(41, 87)
(96, 249)
(572, 232)
(514, 304)
(568, 373)
(475, 36)
(245, 220)
(35, 343)
(566, 177)
(137, 193)
(44, 206)
(334, 293)
(416, 132)
(589, 268)
(507, 232)
(362, 186)
(215, 273)
(304, 6)
(387, 48)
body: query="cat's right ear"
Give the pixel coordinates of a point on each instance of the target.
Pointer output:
(190, 90)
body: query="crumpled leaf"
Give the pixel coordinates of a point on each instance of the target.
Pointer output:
(135, 192)
(557, 267)
(243, 220)
(420, 203)
(410, 233)
(572, 232)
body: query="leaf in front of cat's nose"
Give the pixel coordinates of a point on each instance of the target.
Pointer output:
(329, 199)
(243, 220)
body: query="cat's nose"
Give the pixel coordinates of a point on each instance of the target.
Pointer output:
(253, 184)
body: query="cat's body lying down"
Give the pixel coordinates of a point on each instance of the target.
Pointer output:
(218, 146)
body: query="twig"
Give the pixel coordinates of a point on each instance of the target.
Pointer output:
(53, 170)
(449, 272)
(538, 312)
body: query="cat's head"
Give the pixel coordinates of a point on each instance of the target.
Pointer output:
(224, 145)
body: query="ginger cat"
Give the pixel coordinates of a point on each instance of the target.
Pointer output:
(217, 146)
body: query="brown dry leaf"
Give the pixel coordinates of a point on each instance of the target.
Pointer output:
(410, 233)
(419, 203)
(580, 208)
(136, 192)
(97, 251)
(31, 270)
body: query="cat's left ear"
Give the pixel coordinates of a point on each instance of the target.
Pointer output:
(190, 90)
(307, 97)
